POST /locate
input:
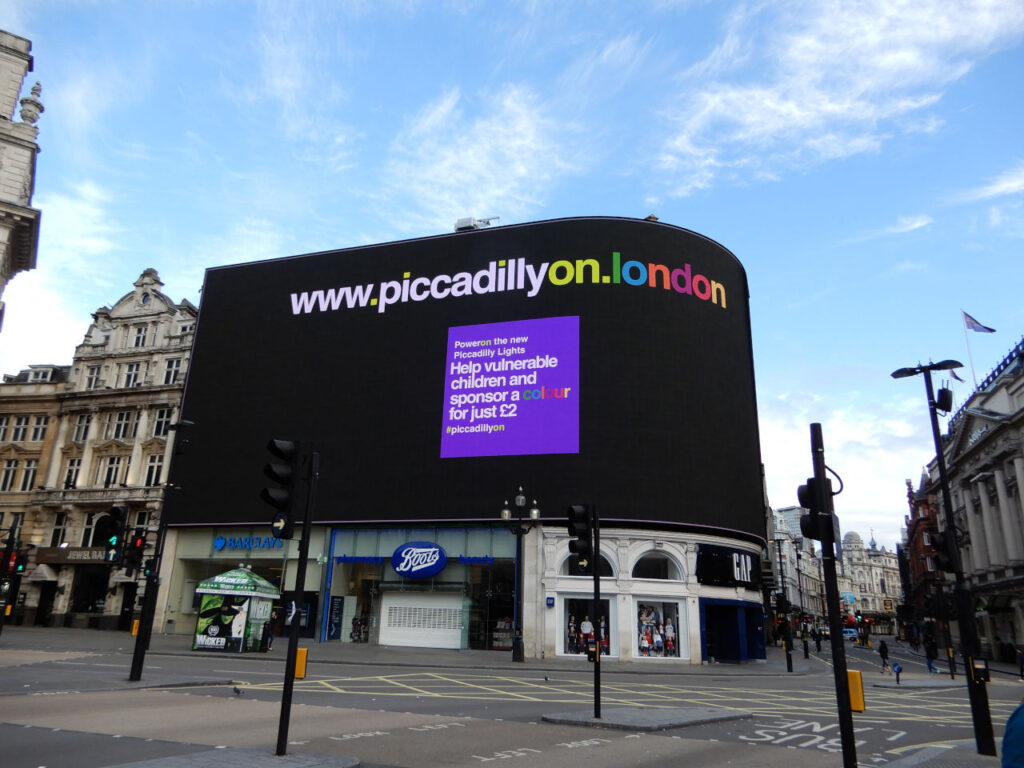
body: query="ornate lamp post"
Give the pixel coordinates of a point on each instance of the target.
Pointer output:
(519, 504)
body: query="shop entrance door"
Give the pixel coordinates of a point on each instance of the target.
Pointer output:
(421, 619)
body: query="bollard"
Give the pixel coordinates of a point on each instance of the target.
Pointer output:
(856, 690)
(300, 663)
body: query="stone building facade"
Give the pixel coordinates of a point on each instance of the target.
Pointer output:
(984, 453)
(19, 222)
(77, 440)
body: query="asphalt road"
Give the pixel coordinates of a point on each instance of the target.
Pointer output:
(75, 708)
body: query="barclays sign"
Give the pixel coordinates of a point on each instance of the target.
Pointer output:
(221, 543)
(419, 560)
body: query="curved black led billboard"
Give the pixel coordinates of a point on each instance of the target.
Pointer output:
(592, 360)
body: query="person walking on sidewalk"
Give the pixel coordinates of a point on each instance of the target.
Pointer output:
(883, 651)
(931, 653)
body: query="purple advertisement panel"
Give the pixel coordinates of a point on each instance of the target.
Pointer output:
(512, 388)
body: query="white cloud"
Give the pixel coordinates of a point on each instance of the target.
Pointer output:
(873, 446)
(1010, 182)
(908, 224)
(800, 83)
(44, 320)
(445, 165)
(903, 225)
(1008, 219)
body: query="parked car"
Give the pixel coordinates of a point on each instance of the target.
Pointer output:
(849, 633)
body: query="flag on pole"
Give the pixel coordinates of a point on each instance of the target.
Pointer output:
(973, 325)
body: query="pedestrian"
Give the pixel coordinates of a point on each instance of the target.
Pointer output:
(270, 629)
(931, 653)
(883, 651)
(1013, 739)
(817, 640)
(1020, 661)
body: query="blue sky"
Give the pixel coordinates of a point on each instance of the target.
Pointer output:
(864, 160)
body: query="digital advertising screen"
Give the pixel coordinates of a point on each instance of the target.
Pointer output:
(604, 361)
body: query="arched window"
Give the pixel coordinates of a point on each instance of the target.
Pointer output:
(655, 565)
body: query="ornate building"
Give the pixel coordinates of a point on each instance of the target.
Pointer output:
(873, 581)
(19, 223)
(984, 452)
(868, 577)
(78, 440)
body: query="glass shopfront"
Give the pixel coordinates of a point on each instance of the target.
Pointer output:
(657, 629)
(581, 626)
(468, 603)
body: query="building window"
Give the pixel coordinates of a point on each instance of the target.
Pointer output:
(4, 421)
(28, 475)
(60, 524)
(162, 424)
(82, 427)
(92, 377)
(154, 466)
(173, 369)
(40, 374)
(7, 478)
(140, 336)
(20, 431)
(142, 518)
(88, 529)
(655, 566)
(109, 470)
(71, 475)
(131, 375)
(125, 424)
(39, 428)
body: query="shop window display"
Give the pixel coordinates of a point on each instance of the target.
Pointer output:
(580, 626)
(658, 629)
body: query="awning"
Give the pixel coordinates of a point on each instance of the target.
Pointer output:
(241, 582)
(43, 572)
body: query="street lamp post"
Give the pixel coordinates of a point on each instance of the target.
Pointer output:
(787, 629)
(803, 611)
(519, 503)
(983, 735)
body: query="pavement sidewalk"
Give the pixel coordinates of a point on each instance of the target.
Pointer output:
(19, 640)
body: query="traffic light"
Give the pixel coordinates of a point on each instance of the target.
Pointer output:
(782, 604)
(942, 543)
(20, 560)
(110, 532)
(134, 550)
(857, 617)
(580, 531)
(283, 469)
(812, 525)
(149, 567)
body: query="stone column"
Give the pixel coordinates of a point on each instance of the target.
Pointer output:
(53, 478)
(1011, 528)
(967, 553)
(993, 534)
(137, 467)
(976, 530)
(85, 474)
